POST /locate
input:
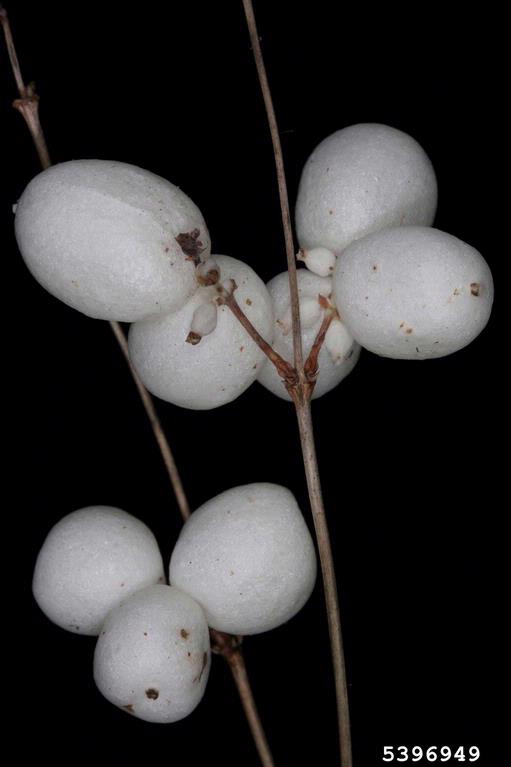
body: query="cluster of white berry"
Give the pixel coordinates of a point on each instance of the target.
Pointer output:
(119, 243)
(244, 563)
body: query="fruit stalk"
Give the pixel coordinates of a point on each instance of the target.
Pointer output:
(301, 393)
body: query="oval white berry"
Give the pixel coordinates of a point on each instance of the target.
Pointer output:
(91, 561)
(225, 362)
(359, 180)
(339, 352)
(413, 292)
(152, 657)
(247, 557)
(112, 240)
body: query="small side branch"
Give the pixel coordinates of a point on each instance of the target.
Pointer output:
(28, 102)
(284, 369)
(311, 363)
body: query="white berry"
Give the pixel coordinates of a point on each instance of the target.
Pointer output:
(152, 657)
(223, 364)
(91, 561)
(413, 292)
(339, 352)
(359, 180)
(247, 557)
(110, 239)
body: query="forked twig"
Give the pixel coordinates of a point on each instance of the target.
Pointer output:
(223, 644)
(301, 394)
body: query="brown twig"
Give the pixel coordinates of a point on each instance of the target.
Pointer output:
(284, 369)
(159, 434)
(28, 102)
(223, 644)
(301, 393)
(281, 179)
(311, 363)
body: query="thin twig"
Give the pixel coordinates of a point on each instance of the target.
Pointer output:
(284, 369)
(301, 393)
(28, 102)
(304, 415)
(311, 363)
(239, 672)
(281, 179)
(159, 434)
(224, 644)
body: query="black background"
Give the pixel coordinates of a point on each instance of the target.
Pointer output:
(409, 451)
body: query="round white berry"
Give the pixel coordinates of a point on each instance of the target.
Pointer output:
(247, 557)
(91, 561)
(339, 352)
(112, 240)
(413, 292)
(359, 180)
(223, 364)
(152, 656)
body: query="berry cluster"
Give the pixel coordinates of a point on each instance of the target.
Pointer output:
(119, 243)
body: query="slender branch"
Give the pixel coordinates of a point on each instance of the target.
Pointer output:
(284, 369)
(239, 672)
(159, 434)
(224, 644)
(301, 393)
(28, 102)
(311, 363)
(303, 411)
(281, 179)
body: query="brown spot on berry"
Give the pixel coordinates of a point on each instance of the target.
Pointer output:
(330, 212)
(152, 694)
(375, 267)
(191, 245)
(193, 338)
(409, 331)
(248, 302)
(167, 249)
(184, 633)
(456, 292)
(475, 288)
(129, 708)
(241, 348)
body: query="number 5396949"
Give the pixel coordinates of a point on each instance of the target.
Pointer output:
(430, 754)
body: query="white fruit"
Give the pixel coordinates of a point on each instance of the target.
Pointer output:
(413, 292)
(152, 657)
(247, 557)
(359, 180)
(339, 352)
(101, 236)
(91, 561)
(225, 362)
